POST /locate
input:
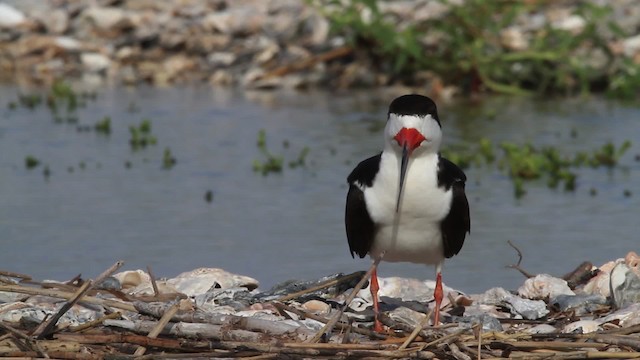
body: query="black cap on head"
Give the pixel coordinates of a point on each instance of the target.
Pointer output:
(414, 104)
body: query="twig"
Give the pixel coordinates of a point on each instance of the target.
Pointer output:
(95, 322)
(517, 265)
(14, 275)
(417, 330)
(342, 326)
(334, 320)
(326, 56)
(46, 327)
(33, 345)
(67, 295)
(320, 286)
(159, 327)
(156, 292)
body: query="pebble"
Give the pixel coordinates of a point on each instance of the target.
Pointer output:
(10, 17)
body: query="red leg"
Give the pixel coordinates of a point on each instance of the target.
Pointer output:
(374, 287)
(437, 294)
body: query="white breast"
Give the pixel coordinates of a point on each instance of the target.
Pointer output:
(424, 205)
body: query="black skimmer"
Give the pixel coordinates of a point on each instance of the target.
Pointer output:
(408, 203)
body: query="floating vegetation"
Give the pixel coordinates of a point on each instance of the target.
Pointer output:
(31, 162)
(30, 101)
(526, 162)
(103, 126)
(272, 163)
(168, 160)
(141, 135)
(275, 163)
(208, 196)
(301, 159)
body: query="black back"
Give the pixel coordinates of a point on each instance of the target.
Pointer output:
(360, 228)
(414, 104)
(457, 223)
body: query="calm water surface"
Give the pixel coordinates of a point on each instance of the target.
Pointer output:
(290, 225)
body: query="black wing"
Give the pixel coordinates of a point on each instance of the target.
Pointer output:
(457, 223)
(360, 228)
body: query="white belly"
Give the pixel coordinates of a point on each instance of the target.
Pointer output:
(424, 205)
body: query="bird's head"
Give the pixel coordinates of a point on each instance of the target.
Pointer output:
(413, 126)
(413, 129)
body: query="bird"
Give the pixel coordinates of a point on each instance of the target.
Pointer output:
(408, 202)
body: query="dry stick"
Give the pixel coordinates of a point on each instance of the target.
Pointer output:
(444, 338)
(156, 292)
(326, 56)
(517, 266)
(334, 320)
(45, 328)
(342, 326)
(67, 295)
(416, 331)
(158, 328)
(14, 275)
(320, 286)
(95, 322)
(28, 342)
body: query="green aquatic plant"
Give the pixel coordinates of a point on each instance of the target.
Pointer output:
(31, 162)
(271, 163)
(275, 163)
(525, 162)
(30, 101)
(168, 160)
(103, 126)
(141, 136)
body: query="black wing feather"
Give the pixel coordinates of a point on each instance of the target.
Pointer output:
(457, 223)
(360, 228)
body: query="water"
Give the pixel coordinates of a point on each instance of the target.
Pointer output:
(290, 225)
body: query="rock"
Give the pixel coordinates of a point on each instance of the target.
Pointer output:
(544, 286)
(582, 327)
(238, 298)
(489, 323)
(626, 317)
(236, 22)
(106, 18)
(68, 43)
(407, 316)
(221, 59)
(132, 278)
(580, 304)
(221, 77)
(10, 17)
(572, 23)
(95, 62)
(541, 329)
(55, 21)
(317, 307)
(528, 309)
(600, 284)
(513, 38)
(625, 285)
(199, 281)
